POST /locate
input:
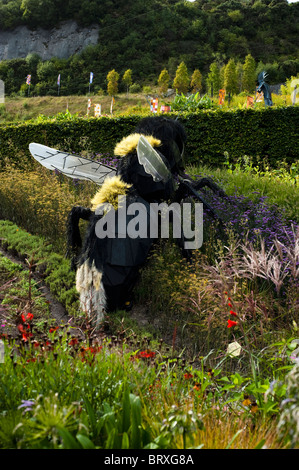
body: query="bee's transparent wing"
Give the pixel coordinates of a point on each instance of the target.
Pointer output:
(152, 161)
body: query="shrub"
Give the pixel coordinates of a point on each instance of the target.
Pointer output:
(135, 88)
(264, 133)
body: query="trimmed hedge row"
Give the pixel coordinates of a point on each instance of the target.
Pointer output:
(270, 133)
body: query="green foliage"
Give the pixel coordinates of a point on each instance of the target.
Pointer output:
(231, 78)
(249, 75)
(213, 79)
(196, 34)
(191, 103)
(181, 80)
(196, 81)
(135, 88)
(163, 81)
(112, 79)
(127, 78)
(76, 134)
(288, 421)
(263, 133)
(289, 87)
(54, 268)
(112, 398)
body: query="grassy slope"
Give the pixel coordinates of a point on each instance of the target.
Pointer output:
(23, 108)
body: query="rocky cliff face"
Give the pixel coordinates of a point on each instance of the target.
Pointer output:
(60, 42)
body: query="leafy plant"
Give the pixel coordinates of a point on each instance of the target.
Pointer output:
(191, 103)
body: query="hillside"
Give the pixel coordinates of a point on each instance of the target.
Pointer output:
(22, 109)
(148, 38)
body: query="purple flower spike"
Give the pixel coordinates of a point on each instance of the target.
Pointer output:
(27, 404)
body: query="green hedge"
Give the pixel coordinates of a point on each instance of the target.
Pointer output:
(270, 133)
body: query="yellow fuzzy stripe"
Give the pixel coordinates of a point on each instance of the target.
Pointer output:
(109, 192)
(129, 144)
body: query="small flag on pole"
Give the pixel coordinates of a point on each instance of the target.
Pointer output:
(28, 81)
(90, 81)
(58, 84)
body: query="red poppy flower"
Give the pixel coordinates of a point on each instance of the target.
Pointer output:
(145, 354)
(233, 313)
(51, 330)
(73, 341)
(231, 323)
(28, 317)
(25, 336)
(92, 350)
(188, 376)
(22, 329)
(95, 350)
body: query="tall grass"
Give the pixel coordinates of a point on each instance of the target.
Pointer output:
(40, 201)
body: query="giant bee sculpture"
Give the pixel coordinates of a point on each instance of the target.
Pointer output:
(151, 169)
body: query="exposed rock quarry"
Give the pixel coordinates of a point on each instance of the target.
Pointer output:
(60, 42)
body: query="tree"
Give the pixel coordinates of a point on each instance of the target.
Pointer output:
(163, 81)
(46, 71)
(230, 77)
(39, 13)
(214, 80)
(221, 75)
(127, 79)
(239, 73)
(112, 79)
(249, 74)
(33, 59)
(181, 80)
(196, 81)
